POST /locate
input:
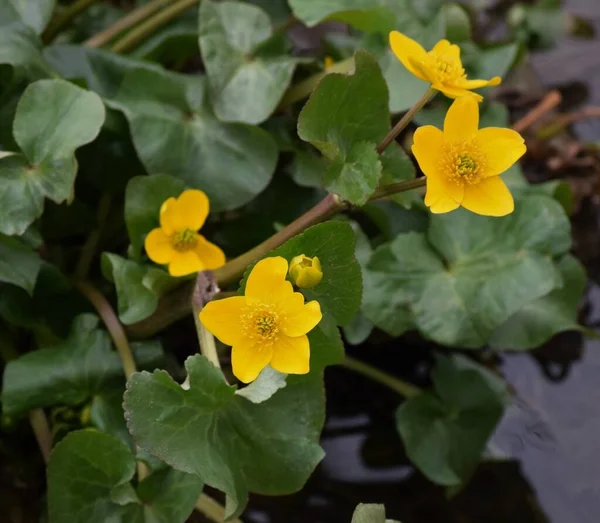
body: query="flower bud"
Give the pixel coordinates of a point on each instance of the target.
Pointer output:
(306, 272)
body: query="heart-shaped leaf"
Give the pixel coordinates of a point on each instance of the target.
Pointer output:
(468, 274)
(71, 118)
(89, 481)
(70, 372)
(229, 442)
(246, 80)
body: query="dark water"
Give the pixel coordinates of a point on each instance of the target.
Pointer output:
(549, 440)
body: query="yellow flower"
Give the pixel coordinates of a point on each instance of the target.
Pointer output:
(306, 272)
(328, 62)
(441, 67)
(267, 326)
(177, 242)
(463, 162)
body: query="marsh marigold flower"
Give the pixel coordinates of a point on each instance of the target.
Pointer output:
(441, 67)
(306, 272)
(177, 242)
(267, 326)
(462, 162)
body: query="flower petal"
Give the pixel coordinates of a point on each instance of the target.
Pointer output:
(300, 318)
(212, 256)
(502, 148)
(408, 51)
(447, 50)
(158, 246)
(223, 319)
(248, 358)
(165, 222)
(476, 84)
(455, 92)
(428, 142)
(267, 281)
(490, 197)
(184, 263)
(291, 355)
(462, 119)
(189, 211)
(442, 196)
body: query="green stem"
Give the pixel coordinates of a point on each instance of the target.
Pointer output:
(304, 89)
(125, 23)
(235, 268)
(391, 382)
(405, 120)
(43, 434)
(112, 323)
(119, 338)
(394, 188)
(37, 417)
(151, 25)
(212, 509)
(64, 18)
(206, 340)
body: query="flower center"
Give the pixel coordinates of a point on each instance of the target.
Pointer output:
(184, 240)
(261, 322)
(463, 162)
(448, 69)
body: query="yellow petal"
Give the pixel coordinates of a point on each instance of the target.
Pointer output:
(447, 50)
(165, 222)
(184, 263)
(408, 51)
(490, 197)
(212, 256)
(158, 246)
(476, 84)
(462, 119)
(428, 142)
(267, 281)
(291, 355)
(189, 211)
(222, 319)
(502, 148)
(248, 358)
(455, 92)
(442, 196)
(300, 318)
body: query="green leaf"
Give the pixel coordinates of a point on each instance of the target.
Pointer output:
(175, 132)
(21, 48)
(19, 264)
(445, 432)
(269, 381)
(356, 176)
(345, 110)
(541, 319)
(246, 82)
(339, 292)
(32, 14)
(138, 286)
(370, 513)
(70, 372)
(229, 442)
(366, 15)
(144, 197)
(345, 117)
(468, 274)
(72, 117)
(89, 481)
